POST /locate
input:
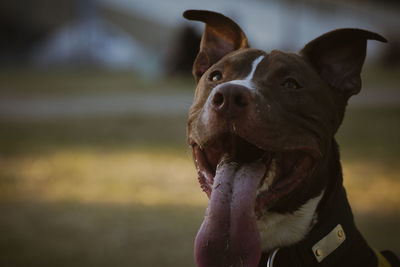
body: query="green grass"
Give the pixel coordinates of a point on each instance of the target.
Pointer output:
(76, 234)
(33, 82)
(375, 77)
(370, 133)
(122, 132)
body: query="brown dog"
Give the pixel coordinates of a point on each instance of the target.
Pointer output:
(262, 129)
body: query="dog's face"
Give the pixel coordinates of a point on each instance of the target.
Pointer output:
(251, 106)
(260, 127)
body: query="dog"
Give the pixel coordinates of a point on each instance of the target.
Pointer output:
(261, 129)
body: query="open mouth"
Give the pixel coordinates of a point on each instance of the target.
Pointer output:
(284, 170)
(241, 181)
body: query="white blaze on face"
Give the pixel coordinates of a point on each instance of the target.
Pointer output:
(247, 82)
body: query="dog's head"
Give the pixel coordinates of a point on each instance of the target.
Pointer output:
(260, 126)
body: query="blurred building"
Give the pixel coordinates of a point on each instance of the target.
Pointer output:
(147, 35)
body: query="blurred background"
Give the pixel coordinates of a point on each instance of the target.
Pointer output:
(94, 167)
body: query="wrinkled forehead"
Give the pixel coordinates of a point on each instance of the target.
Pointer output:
(245, 62)
(246, 55)
(242, 61)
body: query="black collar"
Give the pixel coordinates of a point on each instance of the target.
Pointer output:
(354, 251)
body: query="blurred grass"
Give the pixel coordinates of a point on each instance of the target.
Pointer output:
(375, 77)
(122, 190)
(31, 82)
(91, 234)
(370, 133)
(121, 132)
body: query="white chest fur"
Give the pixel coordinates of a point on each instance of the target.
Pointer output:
(279, 230)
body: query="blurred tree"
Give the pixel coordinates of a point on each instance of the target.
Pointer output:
(183, 51)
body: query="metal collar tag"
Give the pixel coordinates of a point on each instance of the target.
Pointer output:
(329, 243)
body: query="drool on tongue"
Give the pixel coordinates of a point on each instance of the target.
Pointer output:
(228, 235)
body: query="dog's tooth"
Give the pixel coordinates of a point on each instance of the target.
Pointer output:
(264, 187)
(271, 173)
(266, 183)
(208, 177)
(269, 177)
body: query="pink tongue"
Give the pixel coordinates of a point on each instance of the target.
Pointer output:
(228, 235)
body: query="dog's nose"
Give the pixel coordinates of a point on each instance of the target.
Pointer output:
(231, 98)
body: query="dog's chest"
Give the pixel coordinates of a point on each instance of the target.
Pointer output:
(279, 230)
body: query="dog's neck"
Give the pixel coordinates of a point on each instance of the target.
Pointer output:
(284, 229)
(288, 225)
(312, 222)
(345, 254)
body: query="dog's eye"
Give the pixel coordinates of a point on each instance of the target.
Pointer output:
(291, 84)
(215, 76)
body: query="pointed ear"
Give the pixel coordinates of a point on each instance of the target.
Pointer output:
(338, 57)
(221, 36)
